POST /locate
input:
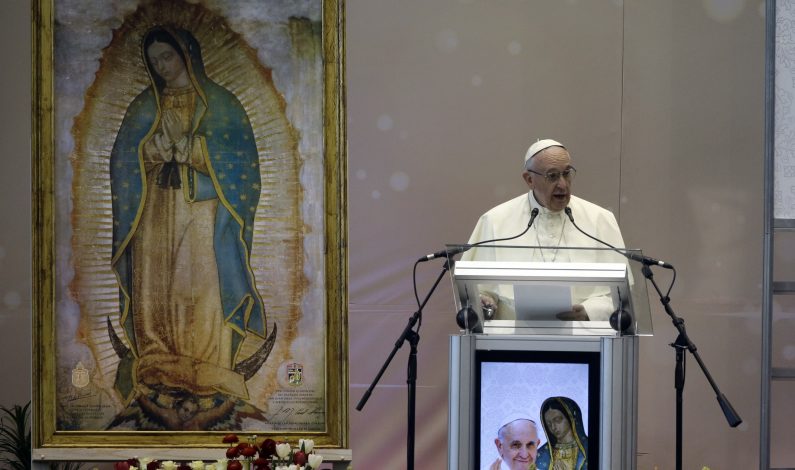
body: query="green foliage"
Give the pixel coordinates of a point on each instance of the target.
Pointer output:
(15, 444)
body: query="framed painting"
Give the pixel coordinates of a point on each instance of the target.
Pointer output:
(189, 221)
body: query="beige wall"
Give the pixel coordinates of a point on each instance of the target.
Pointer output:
(15, 203)
(661, 104)
(692, 193)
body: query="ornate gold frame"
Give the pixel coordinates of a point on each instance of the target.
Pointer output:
(45, 434)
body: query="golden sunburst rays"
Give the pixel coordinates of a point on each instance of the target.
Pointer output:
(277, 253)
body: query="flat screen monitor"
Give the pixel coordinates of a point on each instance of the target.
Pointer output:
(511, 384)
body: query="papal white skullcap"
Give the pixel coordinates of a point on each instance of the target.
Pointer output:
(513, 416)
(540, 145)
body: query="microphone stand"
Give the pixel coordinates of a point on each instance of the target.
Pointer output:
(413, 338)
(681, 344)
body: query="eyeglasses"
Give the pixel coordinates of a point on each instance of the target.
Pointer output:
(553, 176)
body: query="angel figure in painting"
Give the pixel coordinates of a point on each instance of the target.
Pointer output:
(567, 446)
(185, 184)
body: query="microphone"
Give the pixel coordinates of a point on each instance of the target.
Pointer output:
(646, 260)
(446, 252)
(462, 248)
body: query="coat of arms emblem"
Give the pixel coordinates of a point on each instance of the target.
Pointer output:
(295, 374)
(80, 376)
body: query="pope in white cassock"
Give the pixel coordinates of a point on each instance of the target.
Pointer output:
(549, 174)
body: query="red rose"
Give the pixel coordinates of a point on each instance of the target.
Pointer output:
(232, 453)
(121, 466)
(234, 465)
(230, 439)
(249, 451)
(184, 466)
(299, 458)
(267, 448)
(262, 464)
(153, 465)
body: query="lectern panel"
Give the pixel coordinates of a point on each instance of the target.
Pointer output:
(588, 382)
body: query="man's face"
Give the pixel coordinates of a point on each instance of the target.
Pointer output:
(519, 444)
(555, 195)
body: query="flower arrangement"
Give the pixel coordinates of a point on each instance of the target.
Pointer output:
(270, 455)
(267, 455)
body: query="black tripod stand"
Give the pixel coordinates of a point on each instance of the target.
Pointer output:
(682, 344)
(413, 338)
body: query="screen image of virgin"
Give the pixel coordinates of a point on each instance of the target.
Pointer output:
(548, 397)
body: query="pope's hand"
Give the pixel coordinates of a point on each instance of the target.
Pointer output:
(577, 313)
(488, 303)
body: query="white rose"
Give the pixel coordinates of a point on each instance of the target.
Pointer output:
(220, 464)
(306, 445)
(197, 465)
(168, 465)
(282, 450)
(315, 461)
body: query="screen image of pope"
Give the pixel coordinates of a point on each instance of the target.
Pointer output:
(185, 186)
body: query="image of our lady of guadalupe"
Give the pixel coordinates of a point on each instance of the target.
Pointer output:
(185, 184)
(567, 444)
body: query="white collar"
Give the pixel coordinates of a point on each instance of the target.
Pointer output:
(542, 211)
